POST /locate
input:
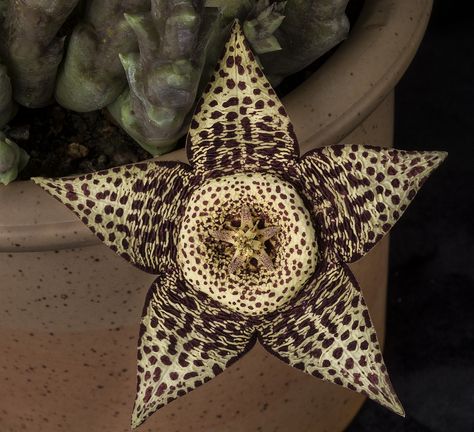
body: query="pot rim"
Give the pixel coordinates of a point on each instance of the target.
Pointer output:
(381, 45)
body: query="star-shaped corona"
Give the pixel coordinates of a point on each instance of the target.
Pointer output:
(250, 242)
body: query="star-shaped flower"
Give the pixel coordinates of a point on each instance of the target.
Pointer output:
(250, 242)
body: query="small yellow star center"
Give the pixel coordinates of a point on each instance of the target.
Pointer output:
(248, 241)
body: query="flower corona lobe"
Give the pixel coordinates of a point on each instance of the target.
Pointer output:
(248, 242)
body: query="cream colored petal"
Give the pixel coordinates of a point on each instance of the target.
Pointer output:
(134, 209)
(185, 340)
(239, 123)
(358, 193)
(327, 332)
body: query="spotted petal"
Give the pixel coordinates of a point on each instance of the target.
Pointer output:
(133, 209)
(239, 123)
(357, 193)
(186, 339)
(327, 332)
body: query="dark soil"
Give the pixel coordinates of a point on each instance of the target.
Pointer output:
(62, 142)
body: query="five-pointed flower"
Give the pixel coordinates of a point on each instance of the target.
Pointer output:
(250, 241)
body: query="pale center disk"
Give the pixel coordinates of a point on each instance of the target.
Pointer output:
(248, 242)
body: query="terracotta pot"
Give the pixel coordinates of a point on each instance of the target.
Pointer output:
(70, 307)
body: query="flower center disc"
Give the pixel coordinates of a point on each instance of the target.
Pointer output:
(248, 242)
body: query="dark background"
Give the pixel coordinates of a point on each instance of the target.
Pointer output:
(429, 347)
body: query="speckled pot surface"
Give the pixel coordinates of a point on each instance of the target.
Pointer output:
(70, 307)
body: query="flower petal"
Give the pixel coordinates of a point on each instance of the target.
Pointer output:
(239, 123)
(357, 193)
(185, 340)
(133, 209)
(327, 332)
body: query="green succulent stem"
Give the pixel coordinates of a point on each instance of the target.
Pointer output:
(12, 160)
(92, 76)
(260, 30)
(179, 43)
(7, 106)
(148, 60)
(231, 9)
(164, 75)
(32, 49)
(310, 29)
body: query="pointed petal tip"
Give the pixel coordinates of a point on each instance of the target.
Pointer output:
(397, 407)
(137, 418)
(438, 155)
(42, 182)
(401, 412)
(135, 423)
(442, 155)
(434, 159)
(237, 32)
(37, 180)
(390, 399)
(437, 158)
(235, 25)
(52, 186)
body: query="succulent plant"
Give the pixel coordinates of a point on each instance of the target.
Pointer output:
(92, 75)
(260, 20)
(164, 76)
(177, 43)
(7, 106)
(310, 29)
(148, 60)
(12, 160)
(260, 27)
(32, 48)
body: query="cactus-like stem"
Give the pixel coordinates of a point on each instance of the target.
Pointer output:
(179, 43)
(231, 9)
(310, 29)
(92, 75)
(3, 9)
(165, 49)
(7, 106)
(32, 49)
(260, 30)
(12, 160)
(164, 77)
(260, 19)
